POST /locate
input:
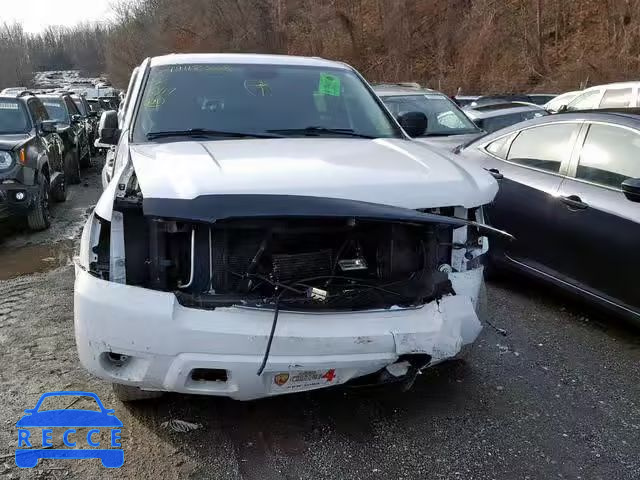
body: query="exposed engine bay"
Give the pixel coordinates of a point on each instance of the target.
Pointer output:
(301, 264)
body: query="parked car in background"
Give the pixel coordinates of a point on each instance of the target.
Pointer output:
(613, 95)
(464, 100)
(534, 98)
(96, 106)
(493, 117)
(90, 119)
(13, 90)
(541, 98)
(278, 203)
(32, 169)
(71, 128)
(561, 101)
(447, 125)
(570, 194)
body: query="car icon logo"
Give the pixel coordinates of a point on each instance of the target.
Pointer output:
(70, 420)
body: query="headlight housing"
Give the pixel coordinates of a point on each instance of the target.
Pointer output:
(6, 160)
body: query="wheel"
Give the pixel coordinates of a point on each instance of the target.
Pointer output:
(59, 194)
(126, 393)
(39, 218)
(72, 168)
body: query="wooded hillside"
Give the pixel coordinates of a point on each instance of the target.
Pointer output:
(475, 45)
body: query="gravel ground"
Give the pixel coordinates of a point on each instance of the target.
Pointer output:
(557, 397)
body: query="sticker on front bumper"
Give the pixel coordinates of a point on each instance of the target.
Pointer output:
(306, 380)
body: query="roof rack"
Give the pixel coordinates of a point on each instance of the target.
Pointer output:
(14, 92)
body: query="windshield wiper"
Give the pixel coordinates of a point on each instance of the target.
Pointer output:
(318, 131)
(204, 132)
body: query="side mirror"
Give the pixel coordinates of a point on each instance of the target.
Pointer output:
(631, 189)
(49, 126)
(414, 123)
(76, 118)
(108, 131)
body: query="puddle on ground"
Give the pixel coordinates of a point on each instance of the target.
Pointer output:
(15, 262)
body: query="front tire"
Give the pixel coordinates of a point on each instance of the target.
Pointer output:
(40, 218)
(126, 393)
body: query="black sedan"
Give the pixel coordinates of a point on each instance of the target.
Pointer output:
(496, 116)
(570, 194)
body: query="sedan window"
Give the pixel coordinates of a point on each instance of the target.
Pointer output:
(500, 147)
(609, 156)
(617, 98)
(543, 147)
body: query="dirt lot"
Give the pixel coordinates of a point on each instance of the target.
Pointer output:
(557, 397)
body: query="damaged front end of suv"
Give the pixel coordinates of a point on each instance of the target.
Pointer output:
(242, 276)
(294, 292)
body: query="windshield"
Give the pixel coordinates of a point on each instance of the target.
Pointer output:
(55, 109)
(13, 117)
(443, 115)
(259, 99)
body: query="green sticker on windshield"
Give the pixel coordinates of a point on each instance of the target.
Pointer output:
(329, 85)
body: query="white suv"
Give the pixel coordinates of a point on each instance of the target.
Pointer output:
(270, 228)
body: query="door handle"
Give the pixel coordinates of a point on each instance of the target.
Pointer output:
(495, 173)
(574, 202)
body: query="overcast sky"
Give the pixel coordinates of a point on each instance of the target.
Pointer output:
(36, 15)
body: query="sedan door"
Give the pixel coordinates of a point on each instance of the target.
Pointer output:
(532, 162)
(601, 227)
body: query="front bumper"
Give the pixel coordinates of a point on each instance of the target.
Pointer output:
(165, 342)
(10, 205)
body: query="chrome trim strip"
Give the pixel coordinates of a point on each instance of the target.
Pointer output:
(570, 285)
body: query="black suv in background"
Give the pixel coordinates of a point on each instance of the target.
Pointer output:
(71, 128)
(31, 160)
(90, 119)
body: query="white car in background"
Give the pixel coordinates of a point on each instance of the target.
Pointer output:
(270, 228)
(613, 95)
